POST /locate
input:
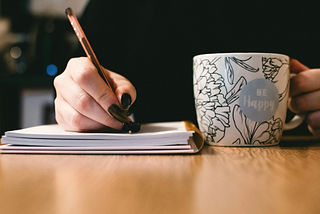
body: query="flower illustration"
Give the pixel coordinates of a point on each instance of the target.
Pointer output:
(275, 69)
(271, 67)
(212, 99)
(253, 132)
(240, 62)
(275, 130)
(214, 93)
(211, 104)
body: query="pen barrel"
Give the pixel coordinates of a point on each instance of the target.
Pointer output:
(86, 46)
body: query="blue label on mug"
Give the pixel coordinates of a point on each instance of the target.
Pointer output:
(259, 100)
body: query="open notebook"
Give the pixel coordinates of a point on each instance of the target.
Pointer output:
(153, 138)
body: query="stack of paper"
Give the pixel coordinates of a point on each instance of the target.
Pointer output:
(153, 138)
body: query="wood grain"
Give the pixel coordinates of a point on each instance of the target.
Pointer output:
(278, 179)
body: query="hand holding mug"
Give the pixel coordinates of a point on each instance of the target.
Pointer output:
(305, 94)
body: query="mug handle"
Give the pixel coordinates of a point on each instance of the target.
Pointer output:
(296, 120)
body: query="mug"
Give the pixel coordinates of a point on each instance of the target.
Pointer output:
(241, 99)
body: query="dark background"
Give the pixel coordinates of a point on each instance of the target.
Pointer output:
(152, 43)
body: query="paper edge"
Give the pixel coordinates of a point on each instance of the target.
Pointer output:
(197, 138)
(196, 142)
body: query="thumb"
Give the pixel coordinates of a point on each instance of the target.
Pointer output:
(296, 66)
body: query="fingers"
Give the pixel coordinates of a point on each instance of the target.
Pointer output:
(305, 102)
(313, 120)
(305, 94)
(94, 85)
(296, 66)
(72, 120)
(304, 88)
(124, 90)
(87, 81)
(85, 102)
(306, 81)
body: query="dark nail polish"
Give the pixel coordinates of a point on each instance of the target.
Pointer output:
(131, 126)
(126, 101)
(118, 113)
(128, 112)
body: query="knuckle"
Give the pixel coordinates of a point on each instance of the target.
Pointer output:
(299, 104)
(104, 97)
(82, 75)
(84, 103)
(57, 81)
(76, 120)
(83, 71)
(58, 117)
(72, 60)
(301, 82)
(75, 61)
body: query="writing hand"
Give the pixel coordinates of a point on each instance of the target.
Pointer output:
(85, 102)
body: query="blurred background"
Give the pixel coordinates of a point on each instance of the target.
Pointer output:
(36, 39)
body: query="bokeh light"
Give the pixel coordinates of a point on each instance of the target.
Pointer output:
(52, 70)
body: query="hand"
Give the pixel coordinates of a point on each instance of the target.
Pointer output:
(84, 100)
(305, 94)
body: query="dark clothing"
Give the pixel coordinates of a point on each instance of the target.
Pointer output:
(152, 42)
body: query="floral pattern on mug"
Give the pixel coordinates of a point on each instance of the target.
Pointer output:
(240, 62)
(212, 108)
(212, 100)
(275, 69)
(252, 132)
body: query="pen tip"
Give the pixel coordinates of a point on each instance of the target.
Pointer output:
(131, 127)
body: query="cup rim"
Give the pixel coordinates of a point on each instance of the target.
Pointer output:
(240, 53)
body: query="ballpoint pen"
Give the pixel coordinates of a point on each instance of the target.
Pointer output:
(115, 111)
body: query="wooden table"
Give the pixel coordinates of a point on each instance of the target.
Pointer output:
(278, 179)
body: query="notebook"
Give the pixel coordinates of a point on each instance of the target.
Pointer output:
(153, 138)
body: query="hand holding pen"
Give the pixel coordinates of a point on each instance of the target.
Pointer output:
(89, 96)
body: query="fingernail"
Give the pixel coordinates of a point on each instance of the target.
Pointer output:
(131, 126)
(118, 113)
(126, 101)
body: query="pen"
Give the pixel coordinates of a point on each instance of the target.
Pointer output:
(122, 117)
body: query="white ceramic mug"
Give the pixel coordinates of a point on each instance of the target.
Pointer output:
(241, 98)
